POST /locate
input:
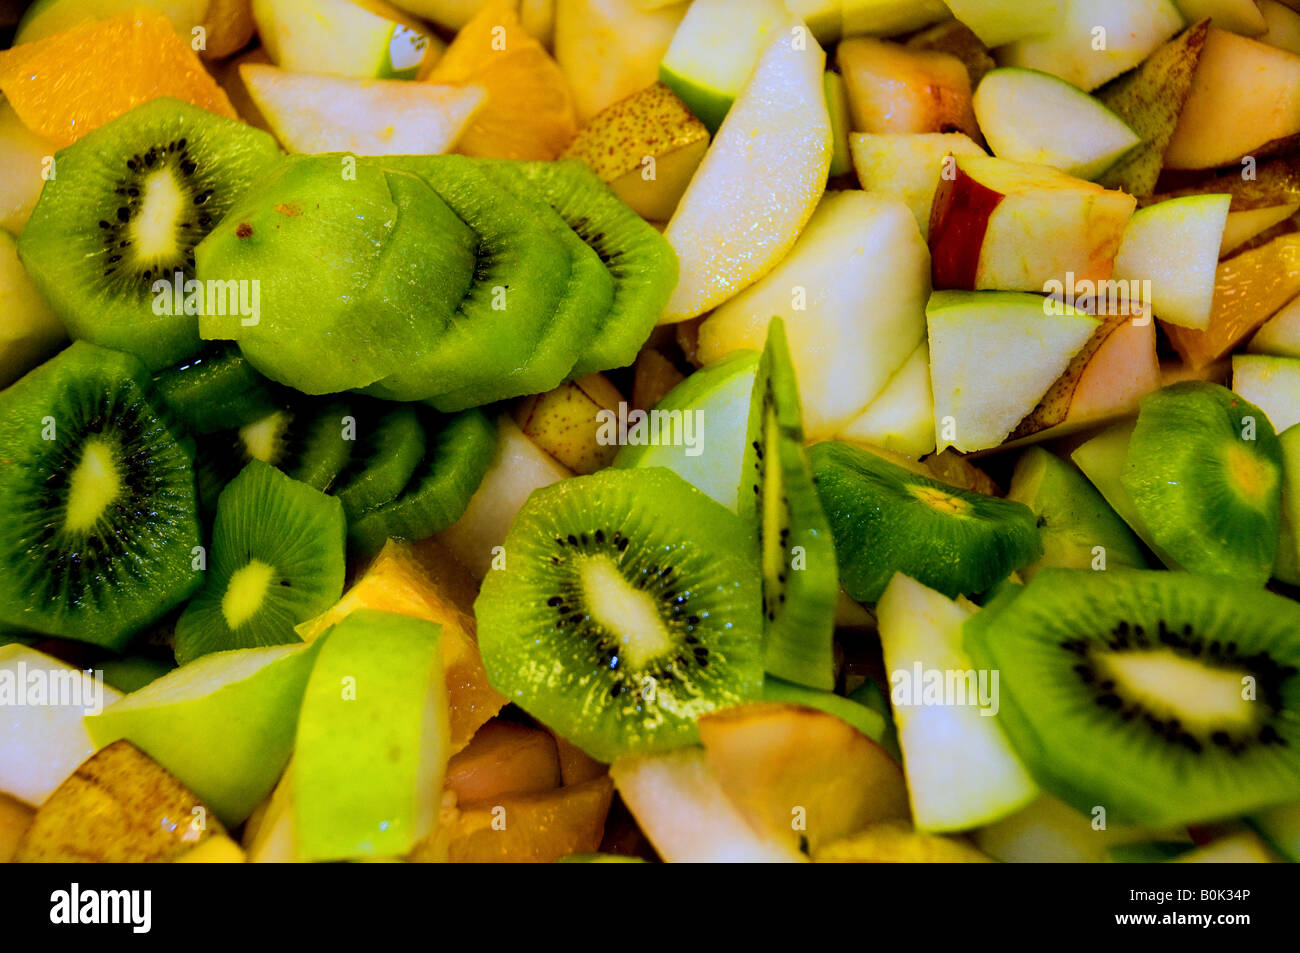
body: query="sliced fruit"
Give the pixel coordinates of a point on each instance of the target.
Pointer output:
(868, 720)
(887, 17)
(45, 17)
(1283, 25)
(572, 422)
(1049, 831)
(504, 758)
(365, 39)
(837, 107)
(999, 22)
(901, 417)
(953, 36)
(15, 818)
(1239, 16)
(1287, 567)
(24, 158)
(908, 165)
(1245, 848)
(1280, 334)
(1270, 383)
(897, 843)
(1280, 826)
(1244, 225)
(31, 331)
(1102, 460)
(894, 89)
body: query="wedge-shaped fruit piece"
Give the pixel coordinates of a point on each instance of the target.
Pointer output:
(269, 835)
(23, 157)
(901, 417)
(1283, 24)
(31, 330)
(573, 422)
(1204, 471)
(894, 89)
(999, 22)
(856, 246)
(908, 165)
(868, 720)
(886, 17)
(1102, 460)
(896, 842)
(759, 182)
(1280, 826)
(646, 147)
(714, 51)
(1182, 287)
(961, 770)
(214, 850)
(1245, 99)
(1009, 226)
(504, 758)
(366, 39)
(682, 808)
(1049, 831)
(372, 739)
(1270, 383)
(45, 17)
(223, 724)
(1287, 567)
(1246, 224)
(1150, 99)
(837, 106)
(1130, 29)
(799, 775)
(1030, 116)
(953, 36)
(120, 806)
(1243, 848)
(1239, 16)
(1280, 334)
(971, 332)
(1077, 527)
(311, 112)
(42, 739)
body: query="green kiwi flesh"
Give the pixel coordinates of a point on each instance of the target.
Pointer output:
(390, 447)
(214, 390)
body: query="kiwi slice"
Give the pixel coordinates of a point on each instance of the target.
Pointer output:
(127, 206)
(457, 457)
(215, 390)
(886, 519)
(390, 447)
(496, 343)
(98, 496)
(1160, 697)
(277, 559)
(640, 260)
(321, 442)
(625, 610)
(1204, 472)
(796, 552)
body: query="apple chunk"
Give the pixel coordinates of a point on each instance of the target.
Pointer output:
(369, 39)
(901, 418)
(907, 165)
(30, 331)
(894, 89)
(1270, 383)
(1280, 333)
(1010, 226)
(999, 22)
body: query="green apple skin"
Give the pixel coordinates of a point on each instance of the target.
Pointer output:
(339, 37)
(373, 739)
(223, 724)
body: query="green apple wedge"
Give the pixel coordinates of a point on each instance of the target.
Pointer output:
(720, 396)
(1182, 285)
(1030, 116)
(961, 770)
(889, 17)
(972, 331)
(714, 51)
(366, 39)
(901, 417)
(30, 331)
(42, 744)
(908, 165)
(999, 22)
(1270, 383)
(223, 724)
(373, 739)
(858, 246)
(1077, 527)
(1287, 567)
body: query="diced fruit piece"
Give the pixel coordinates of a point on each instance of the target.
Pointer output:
(901, 417)
(223, 724)
(1244, 225)
(887, 17)
(576, 766)
(714, 51)
(653, 377)
(800, 775)
(1270, 383)
(530, 112)
(999, 22)
(1245, 97)
(372, 741)
(1009, 226)
(1049, 831)
(1283, 26)
(1280, 334)
(1280, 826)
(41, 744)
(1287, 567)
(1249, 288)
(610, 49)
(228, 25)
(856, 246)
(1244, 848)
(504, 758)
(23, 160)
(1182, 286)
(758, 184)
(682, 808)
(897, 843)
(870, 721)
(365, 39)
(1077, 527)
(68, 84)
(823, 17)
(1131, 29)
(31, 331)
(1029, 116)
(134, 672)
(1275, 182)
(215, 850)
(15, 818)
(571, 422)
(311, 112)
(894, 89)
(970, 332)
(1239, 16)
(45, 17)
(118, 807)
(1150, 99)
(953, 36)
(908, 165)
(646, 147)
(269, 835)
(1102, 460)
(961, 770)
(837, 107)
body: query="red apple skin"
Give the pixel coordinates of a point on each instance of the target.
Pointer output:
(958, 220)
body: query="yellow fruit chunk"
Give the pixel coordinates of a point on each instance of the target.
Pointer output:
(425, 581)
(229, 26)
(529, 113)
(896, 843)
(565, 422)
(214, 850)
(504, 758)
(65, 85)
(15, 818)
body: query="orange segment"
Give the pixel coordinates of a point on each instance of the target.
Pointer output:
(530, 112)
(65, 85)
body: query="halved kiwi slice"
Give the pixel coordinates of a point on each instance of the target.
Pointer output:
(277, 559)
(321, 441)
(886, 519)
(1204, 471)
(215, 390)
(98, 495)
(1163, 697)
(125, 209)
(389, 448)
(628, 606)
(796, 552)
